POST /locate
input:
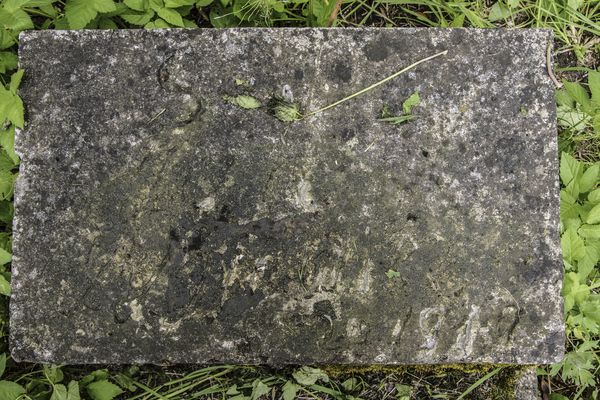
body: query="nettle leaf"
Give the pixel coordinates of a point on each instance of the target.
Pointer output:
(6, 185)
(289, 390)
(563, 99)
(259, 389)
(59, 392)
(79, 13)
(73, 391)
(171, 16)
(54, 374)
(573, 291)
(103, 390)
(5, 257)
(589, 178)
(179, 3)
(16, 20)
(10, 390)
(579, 94)
(138, 5)
(590, 231)
(498, 12)
(570, 118)
(593, 216)
(309, 376)
(137, 18)
(594, 84)
(572, 245)
(412, 101)
(570, 168)
(594, 196)
(7, 141)
(4, 287)
(243, 101)
(8, 61)
(157, 24)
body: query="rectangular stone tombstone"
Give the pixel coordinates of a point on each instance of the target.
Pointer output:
(165, 214)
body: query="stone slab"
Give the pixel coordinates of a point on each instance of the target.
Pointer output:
(157, 222)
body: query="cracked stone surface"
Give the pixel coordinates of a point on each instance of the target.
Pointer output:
(157, 222)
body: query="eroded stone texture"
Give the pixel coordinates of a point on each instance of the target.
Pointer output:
(157, 222)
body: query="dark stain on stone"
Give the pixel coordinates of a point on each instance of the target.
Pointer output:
(347, 134)
(240, 303)
(324, 308)
(377, 50)
(342, 72)
(298, 74)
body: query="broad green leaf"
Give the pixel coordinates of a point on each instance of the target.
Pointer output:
(203, 3)
(54, 374)
(392, 274)
(7, 142)
(137, 18)
(6, 185)
(594, 215)
(587, 261)
(594, 196)
(59, 392)
(309, 376)
(573, 291)
(579, 94)
(79, 13)
(563, 99)
(403, 392)
(8, 61)
(590, 178)
(499, 11)
(5, 257)
(590, 231)
(188, 23)
(157, 24)
(107, 23)
(73, 391)
(573, 188)
(289, 390)
(15, 81)
(137, 5)
(171, 16)
(17, 20)
(5, 289)
(572, 246)
(10, 390)
(571, 119)
(570, 168)
(412, 101)
(594, 84)
(259, 389)
(2, 363)
(103, 390)
(243, 101)
(38, 3)
(178, 3)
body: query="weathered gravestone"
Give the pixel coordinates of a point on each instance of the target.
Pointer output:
(159, 221)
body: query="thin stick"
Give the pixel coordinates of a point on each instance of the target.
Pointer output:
(373, 86)
(549, 66)
(334, 13)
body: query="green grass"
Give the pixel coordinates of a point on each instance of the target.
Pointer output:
(576, 24)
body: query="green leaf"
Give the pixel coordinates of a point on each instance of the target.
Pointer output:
(259, 389)
(589, 179)
(570, 168)
(171, 16)
(7, 141)
(157, 24)
(289, 390)
(499, 11)
(178, 3)
(563, 99)
(579, 94)
(309, 376)
(138, 5)
(243, 101)
(403, 392)
(392, 274)
(73, 391)
(590, 231)
(17, 20)
(79, 13)
(594, 215)
(594, 84)
(5, 257)
(136, 18)
(15, 81)
(203, 3)
(2, 363)
(412, 101)
(594, 196)
(10, 390)
(573, 291)
(8, 61)
(59, 393)
(103, 390)
(54, 374)
(6, 185)
(572, 245)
